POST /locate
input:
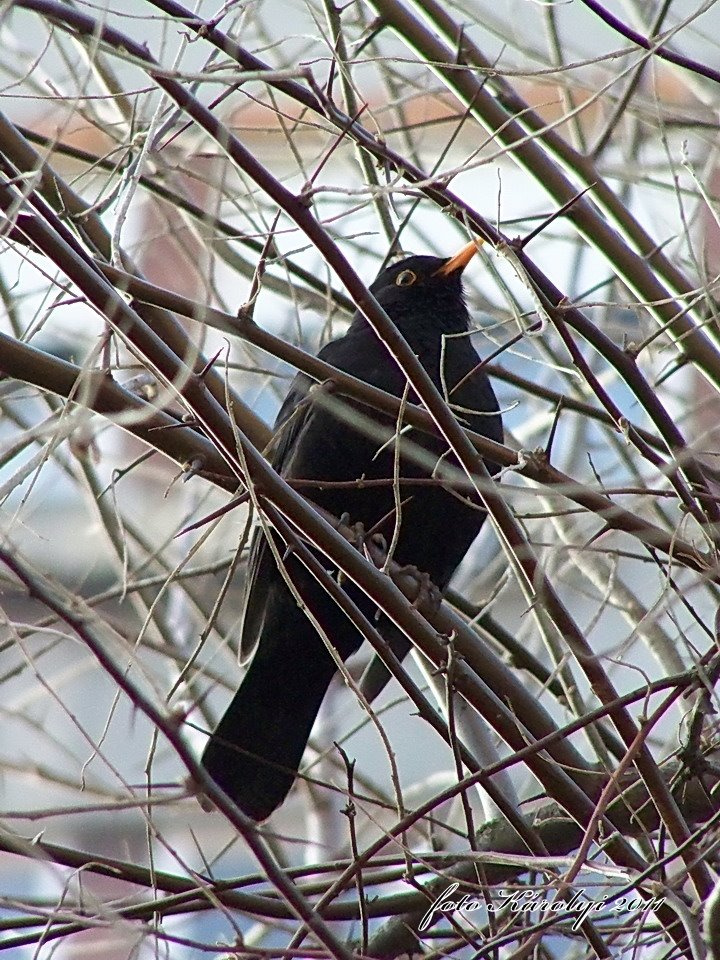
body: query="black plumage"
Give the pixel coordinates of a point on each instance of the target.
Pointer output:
(255, 752)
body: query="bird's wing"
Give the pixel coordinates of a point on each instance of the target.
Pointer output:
(357, 349)
(261, 569)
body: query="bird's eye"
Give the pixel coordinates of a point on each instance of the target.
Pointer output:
(405, 279)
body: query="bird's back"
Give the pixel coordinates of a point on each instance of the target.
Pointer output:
(352, 448)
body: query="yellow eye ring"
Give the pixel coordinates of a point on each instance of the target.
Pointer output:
(405, 279)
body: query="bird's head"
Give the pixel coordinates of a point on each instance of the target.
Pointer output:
(426, 290)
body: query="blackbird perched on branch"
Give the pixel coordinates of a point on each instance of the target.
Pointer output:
(255, 752)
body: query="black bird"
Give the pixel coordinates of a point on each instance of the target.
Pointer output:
(255, 752)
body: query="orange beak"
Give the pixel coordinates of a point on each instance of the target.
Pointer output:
(460, 260)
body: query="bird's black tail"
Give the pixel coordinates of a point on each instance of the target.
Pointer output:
(255, 752)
